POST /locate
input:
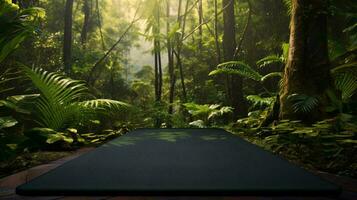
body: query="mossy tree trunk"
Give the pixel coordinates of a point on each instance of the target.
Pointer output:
(307, 70)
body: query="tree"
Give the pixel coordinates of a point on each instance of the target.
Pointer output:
(67, 41)
(86, 22)
(307, 70)
(170, 55)
(229, 45)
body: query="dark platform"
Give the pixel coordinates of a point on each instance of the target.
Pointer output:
(178, 162)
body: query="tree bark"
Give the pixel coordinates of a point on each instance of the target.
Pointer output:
(85, 28)
(100, 24)
(218, 50)
(229, 47)
(200, 21)
(170, 64)
(307, 70)
(67, 42)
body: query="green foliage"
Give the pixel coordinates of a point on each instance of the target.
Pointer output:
(275, 59)
(302, 103)
(16, 25)
(61, 101)
(269, 60)
(7, 122)
(238, 68)
(271, 75)
(206, 112)
(49, 136)
(346, 79)
(259, 101)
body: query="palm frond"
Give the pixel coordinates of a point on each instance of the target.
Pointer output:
(105, 104)
(346, 79)
(237, 68)
(302, 103)
(347, 84)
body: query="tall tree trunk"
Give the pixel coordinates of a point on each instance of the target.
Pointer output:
(158, 66)
(85, 28)
(67, 42)
(179, 42)
(229, 46)
(218, 51)
(200, 21)
(100, 24)
(170, 64)
(307, 69)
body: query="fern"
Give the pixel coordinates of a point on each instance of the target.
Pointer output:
(260, 101)
(269, 60)
(302, 103)
(288, 5)
(271, 75)
(60, 99)
(237, 68)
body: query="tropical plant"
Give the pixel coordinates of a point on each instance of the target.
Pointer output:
(16, 25)
(62, 100)
(302, 103)
(275, 59)
(206, 112)
(237, 68)
(259, 101)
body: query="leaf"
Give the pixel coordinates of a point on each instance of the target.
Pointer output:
(346, 82)
(303, 103)
(57, 93)
(272, 59)
(106, 104)
(52, 138)
(271, 75)
(198, 123)
(260, 101)
(48, 135)
(237, 68)
(7, 122)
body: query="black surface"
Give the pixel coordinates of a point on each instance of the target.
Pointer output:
(178, 162)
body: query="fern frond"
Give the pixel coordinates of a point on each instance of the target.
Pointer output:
(271, 75)
(260, 101)
(237, 68)
(269, 60)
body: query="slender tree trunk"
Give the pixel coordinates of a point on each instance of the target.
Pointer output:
(158, 67)
(179, 62)
(218, 50)
(200, 21)
(229, 46)
(100, 24)
(170, 64)
(67, 43)
(85, 28)
(307, 69)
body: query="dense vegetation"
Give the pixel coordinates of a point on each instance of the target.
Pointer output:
(280, 73)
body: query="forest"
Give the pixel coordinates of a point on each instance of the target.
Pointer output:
(282, 74)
